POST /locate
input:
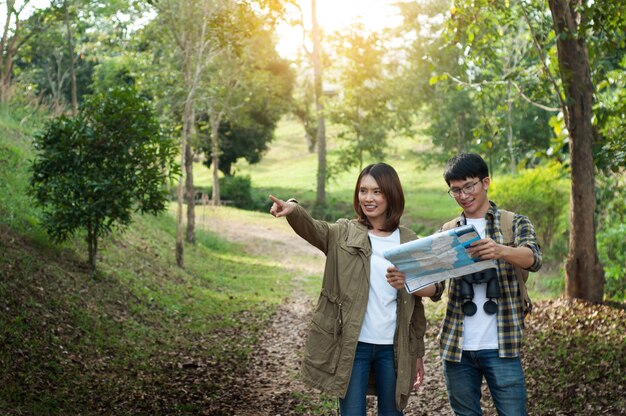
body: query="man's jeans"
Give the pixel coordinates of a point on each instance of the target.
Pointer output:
(380, 357)
(505, 379)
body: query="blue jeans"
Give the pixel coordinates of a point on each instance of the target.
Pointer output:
(380, 358)
(505, 379)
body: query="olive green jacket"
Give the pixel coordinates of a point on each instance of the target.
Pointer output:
(337, 319)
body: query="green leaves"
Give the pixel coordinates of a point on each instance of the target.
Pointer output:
(95, 169)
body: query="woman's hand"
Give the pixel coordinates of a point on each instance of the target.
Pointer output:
(281, 208)
(395, 278)
(419, 374)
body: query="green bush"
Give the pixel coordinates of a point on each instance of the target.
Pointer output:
(612, 253)
(611, 224)
(542, 195)
(92, 171)
(237, 190)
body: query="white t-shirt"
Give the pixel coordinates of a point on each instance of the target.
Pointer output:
(480, 331)
(379, 324)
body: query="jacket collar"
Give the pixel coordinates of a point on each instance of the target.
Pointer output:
(358, 236)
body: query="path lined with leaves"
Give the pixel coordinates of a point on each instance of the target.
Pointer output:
(272, 386)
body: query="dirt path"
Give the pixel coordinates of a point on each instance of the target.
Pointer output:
(273, 387)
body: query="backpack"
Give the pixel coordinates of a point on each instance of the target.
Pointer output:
(506, 220)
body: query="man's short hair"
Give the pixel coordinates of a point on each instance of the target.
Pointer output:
(465, 165)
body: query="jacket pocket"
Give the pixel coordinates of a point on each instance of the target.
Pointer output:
(323, 344)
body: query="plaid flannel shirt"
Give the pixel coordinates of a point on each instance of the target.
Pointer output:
(510, 314)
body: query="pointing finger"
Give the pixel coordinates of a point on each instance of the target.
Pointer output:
(276, 200)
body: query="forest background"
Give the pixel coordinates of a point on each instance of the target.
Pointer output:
(197, 95)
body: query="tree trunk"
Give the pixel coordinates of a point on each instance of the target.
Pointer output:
(584, 277)
(190, 193)
(70, 47)
(8, 49)
(92, 247)
(320, 200)
(189, 186)
(509, 130)
(216, 119)
(180, 245)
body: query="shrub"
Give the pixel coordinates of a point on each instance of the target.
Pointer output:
(94, 170)
(612, 253)
(542, 195)
(611, 225)
(237, 189)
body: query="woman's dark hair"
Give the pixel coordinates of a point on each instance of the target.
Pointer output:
(463, 166)
(389, 183)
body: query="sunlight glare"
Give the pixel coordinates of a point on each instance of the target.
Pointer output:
(335, 15)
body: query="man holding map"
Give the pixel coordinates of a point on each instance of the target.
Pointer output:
(482, 332)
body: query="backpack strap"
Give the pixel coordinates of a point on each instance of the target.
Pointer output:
(450, 225)
(506, 220)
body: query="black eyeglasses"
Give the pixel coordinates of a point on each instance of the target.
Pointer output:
(466, 190)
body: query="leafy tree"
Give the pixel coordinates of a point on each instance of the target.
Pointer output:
(483, 93)
(362, 111)
(185, 39)
(430, 61)
(575, 43)
(318, 74)
(49, 65)
(266, 82)
(95, 169)
(70, 38)
(303, 104)
(14, 38)
(195, 30)
(584, 277)
(610, 108)
(248, 141)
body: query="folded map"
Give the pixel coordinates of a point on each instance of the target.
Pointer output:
(438, 257)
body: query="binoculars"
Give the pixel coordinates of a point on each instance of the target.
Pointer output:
(489, 276)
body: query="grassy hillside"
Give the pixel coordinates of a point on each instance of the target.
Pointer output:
(73, 343)
(288, 169)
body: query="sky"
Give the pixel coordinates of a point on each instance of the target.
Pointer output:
(334, 15)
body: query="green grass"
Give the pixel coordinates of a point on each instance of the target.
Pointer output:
(16, 207)
(81, 343)
(289, 170)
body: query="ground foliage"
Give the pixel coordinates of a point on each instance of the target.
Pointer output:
(76, 343)
(55, 317)
(575, 358)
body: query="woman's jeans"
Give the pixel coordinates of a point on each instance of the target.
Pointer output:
(505, 380)
(380, 358)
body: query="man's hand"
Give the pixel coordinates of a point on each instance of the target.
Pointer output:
(486, 249)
